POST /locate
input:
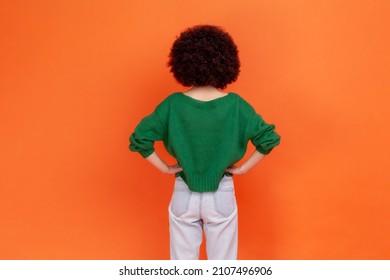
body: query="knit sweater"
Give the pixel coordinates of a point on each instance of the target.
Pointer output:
(205, 137)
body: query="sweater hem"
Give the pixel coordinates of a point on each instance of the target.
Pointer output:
(202, 183)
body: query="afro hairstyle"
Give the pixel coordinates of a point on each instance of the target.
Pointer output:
(204, 55)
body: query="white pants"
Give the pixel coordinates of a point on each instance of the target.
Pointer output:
(215, 212)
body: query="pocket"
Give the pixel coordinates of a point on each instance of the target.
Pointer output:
(181, 197)
(224, 197)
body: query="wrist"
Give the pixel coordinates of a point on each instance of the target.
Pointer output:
(243, 169)
(164, 168)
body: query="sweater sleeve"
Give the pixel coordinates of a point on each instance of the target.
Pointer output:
(262, 134)
(149, 130)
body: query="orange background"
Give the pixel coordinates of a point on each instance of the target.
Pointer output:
(77, 76)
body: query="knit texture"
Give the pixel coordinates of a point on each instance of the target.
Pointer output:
(205, 137)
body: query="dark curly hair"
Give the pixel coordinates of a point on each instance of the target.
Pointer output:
(204, 55)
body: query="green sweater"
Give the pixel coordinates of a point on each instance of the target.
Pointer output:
(205, 137)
